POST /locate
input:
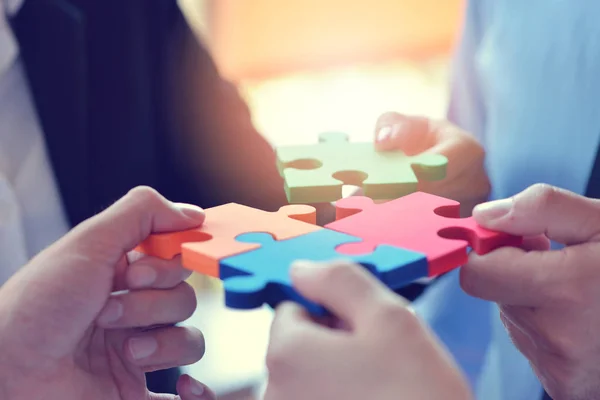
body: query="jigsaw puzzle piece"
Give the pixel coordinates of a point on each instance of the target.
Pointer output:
(202, 248)
(261, 276)
(307, 174)
(420, 222)
(316, 173)
(401, 174)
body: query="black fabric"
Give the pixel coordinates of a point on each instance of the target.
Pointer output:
(546, 396)
(103, 75)
(593, 186)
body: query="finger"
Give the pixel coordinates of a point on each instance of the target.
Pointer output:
(82, 265)
(467, 158)
(562, 216)
(144, 271)
(164, 348)
(515, 277)
(153, 272)
(348, 290)
(396, 131)
(121, 227)
(77, 273)
(147, 308)
(190, 389)
(292, 338)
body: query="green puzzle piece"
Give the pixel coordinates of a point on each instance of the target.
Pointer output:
(316, 173)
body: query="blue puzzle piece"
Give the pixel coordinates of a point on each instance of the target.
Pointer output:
(261, 276)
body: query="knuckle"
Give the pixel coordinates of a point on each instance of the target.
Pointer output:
(542, 195)
(144, 195)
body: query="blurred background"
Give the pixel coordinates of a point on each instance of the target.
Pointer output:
(126, 96)
(303, 67)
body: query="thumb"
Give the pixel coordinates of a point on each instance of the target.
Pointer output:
(133, 218)
(518, 277)
(346, 289)
(395, 131)
(562, 216)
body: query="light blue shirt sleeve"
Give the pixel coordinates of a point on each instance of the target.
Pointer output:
(469, 327)
(525, 83)
(467, 107)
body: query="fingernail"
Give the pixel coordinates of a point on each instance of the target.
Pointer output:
(304, 267)
(142, 347)
(384, 133)
(396, 128)
(142, 276)
(493, 210)
(113, 310)
(196, 387)
(191, 211)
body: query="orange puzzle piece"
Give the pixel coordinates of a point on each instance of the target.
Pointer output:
(202, 248)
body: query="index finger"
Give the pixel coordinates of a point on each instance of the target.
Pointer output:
(516, 277)
(348, 290)
(410, 134)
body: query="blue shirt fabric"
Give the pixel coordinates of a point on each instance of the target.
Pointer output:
(526, 83)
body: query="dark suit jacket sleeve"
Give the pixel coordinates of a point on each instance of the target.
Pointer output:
(227, 158)
(128, 96)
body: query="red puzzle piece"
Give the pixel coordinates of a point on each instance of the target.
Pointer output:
(420, 222)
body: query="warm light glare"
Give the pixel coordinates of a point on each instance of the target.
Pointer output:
(295, 108)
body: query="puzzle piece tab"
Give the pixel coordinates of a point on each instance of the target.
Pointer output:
(316, 173)
(202, 248)
(262, 276)
(420, 222)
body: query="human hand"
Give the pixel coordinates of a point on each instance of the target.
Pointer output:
(466, 180)
(383, 352)
(549, 299)
(64, 332)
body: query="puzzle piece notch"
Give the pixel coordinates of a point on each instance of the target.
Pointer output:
(421, 222)
(302, 164)
(262, 276)
(202, 248)
(311, 163)
(325, 167)
(352, 205)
